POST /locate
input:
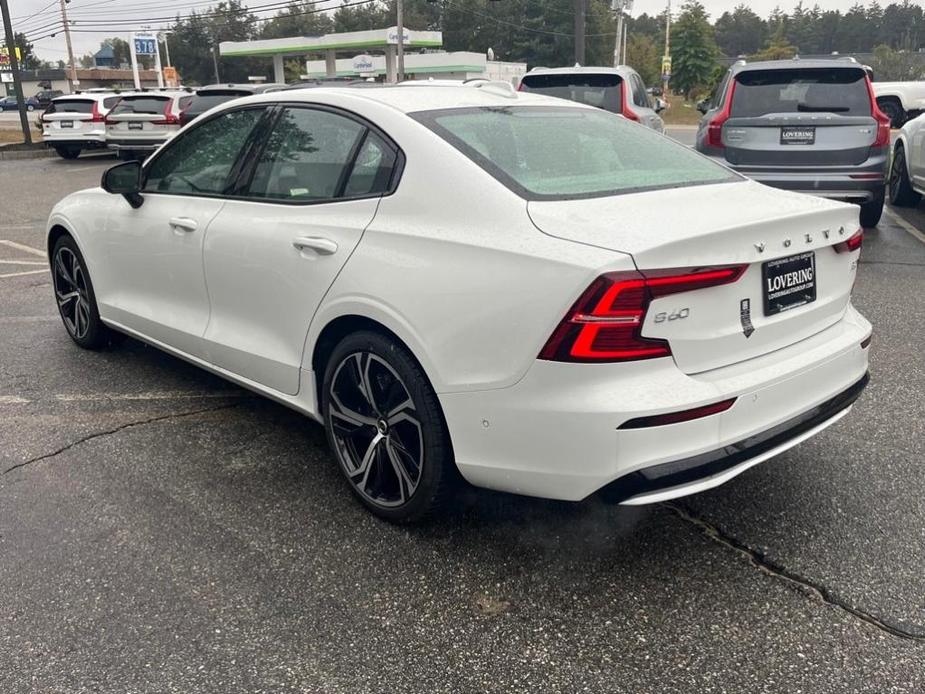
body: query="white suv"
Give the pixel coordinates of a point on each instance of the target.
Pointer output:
(76, 122)
(143, 121)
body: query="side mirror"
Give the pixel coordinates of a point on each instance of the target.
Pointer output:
(703, 106)
(660, 105)
(125, 180)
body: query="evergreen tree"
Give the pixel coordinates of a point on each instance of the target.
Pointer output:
(693, 51)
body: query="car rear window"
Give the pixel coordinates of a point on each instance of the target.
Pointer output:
(801, 90)
(141, 104)
(74, 105)
(203, 102)
(110, 101)
(602, 91)
(559, 153)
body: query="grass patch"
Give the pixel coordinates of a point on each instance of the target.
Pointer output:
(9, 136)
(680, 111)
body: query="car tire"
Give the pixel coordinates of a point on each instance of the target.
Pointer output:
(75, 297)
(899, 185)
(894, 109)
(872, 211)
(30, 108)
(386, 428)
(68, 152)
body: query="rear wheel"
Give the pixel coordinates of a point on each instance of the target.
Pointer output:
(386, 428)
(68, 152)
(894, 109)
(901, 192)
(75, 297)
(872, 211)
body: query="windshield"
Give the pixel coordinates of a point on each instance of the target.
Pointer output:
(555, 153)
(141, 104)
(602, 91)
(804, 90)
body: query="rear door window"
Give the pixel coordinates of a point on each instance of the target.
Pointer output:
(603, 91)
(801, 90)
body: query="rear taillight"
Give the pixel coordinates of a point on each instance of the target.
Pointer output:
(715, 126)
(851, 244)
(624, 105)
(605, 324)
(169, 118)
(95, 115)
(883, 120)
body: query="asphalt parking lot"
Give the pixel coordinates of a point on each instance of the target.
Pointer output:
(163, 531)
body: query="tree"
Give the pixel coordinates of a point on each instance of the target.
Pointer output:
(693, 52)
(645, 56)
(895, 66)
(28, 60)
(298, 19)
(777, 48)
(740, 32)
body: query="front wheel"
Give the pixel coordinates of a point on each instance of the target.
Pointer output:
(894, 110)
(75, 297)
(386, 428)
(872, 211)
(900, 187)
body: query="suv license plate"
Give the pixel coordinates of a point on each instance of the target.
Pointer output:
(67, 124)
(136, 126)
(797, 135)
(789, 282)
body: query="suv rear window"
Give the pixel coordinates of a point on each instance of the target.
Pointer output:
(73, 106)
(602, 91)
(204, 101)
(801, 90)
(141, 104)
(560, 153)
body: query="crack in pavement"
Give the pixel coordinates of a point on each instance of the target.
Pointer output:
(772, 568)
(116, 430)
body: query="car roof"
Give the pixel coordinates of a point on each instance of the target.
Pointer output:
(239, 86)
(432, 97)
(580, 70)
(797, 63)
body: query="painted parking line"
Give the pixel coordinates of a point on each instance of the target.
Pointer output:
(154, 396)
(22, 262)
(12, 400)
(904, 225)
(22, 247)
(23, 274)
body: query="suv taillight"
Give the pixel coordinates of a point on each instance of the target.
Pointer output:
(95, 115)
(883, 120)
(605, 324)
(625, 99)
(715, 126)
(169, 118)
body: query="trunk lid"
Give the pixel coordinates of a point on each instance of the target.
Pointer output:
(714, 226)
(800, 117)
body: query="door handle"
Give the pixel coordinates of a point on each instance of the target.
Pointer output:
(184, 223)
(320, 245)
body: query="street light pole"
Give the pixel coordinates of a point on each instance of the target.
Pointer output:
(619, 49)
(400, 52)
(14, 66)
(580, 32)
(72, 67)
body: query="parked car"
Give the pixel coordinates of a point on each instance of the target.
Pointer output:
(72, 124)
(618, 90)
(46, 96)
(215, 94)
(806, 125)
(900, 101)
(526, 291)
(11, 103)
(907, 172)
(140, 122)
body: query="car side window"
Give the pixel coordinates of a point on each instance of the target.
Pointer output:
(640, 97)
(373, 168)
(110, 101)
(307, 156)
(200, 161)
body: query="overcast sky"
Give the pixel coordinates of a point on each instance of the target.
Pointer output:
(30, 16)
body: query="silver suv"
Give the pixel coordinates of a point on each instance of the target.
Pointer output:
(807, 125)
(616, 89)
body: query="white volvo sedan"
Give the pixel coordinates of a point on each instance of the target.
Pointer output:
(537, 295)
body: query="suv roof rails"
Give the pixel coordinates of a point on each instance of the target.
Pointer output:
(499, 87)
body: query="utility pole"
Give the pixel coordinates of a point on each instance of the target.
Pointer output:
(619, 48)
(666, 59)
(72, 67)
(400, 25)
(14, 66)
(580, 31)
(215, 62)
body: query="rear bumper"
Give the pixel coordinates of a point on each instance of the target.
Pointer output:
(557, 432)
(134, 145)
(859, 183)
(89, 142)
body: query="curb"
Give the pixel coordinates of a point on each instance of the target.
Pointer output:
(19, 155)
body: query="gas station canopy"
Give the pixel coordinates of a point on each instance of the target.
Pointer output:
(382, 39)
